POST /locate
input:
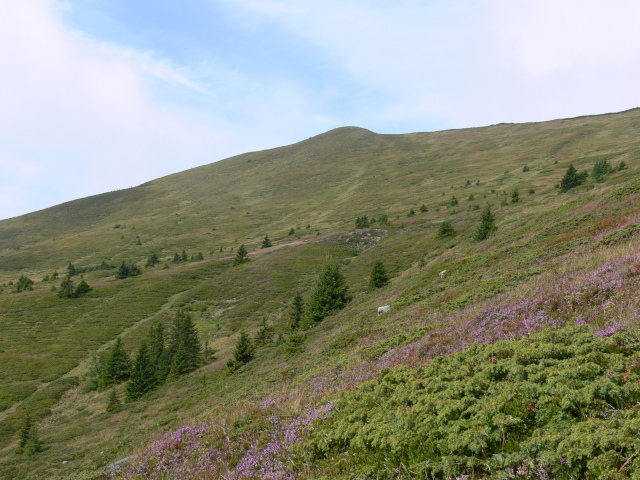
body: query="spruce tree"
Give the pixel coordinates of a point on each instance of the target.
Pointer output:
(378, 277)
(266, 243)
(297, 310)
(71, 269)
(112, 403)
(446, 230)
(264, 335)
(176, 258)
(487, 224)
(199, 257)
(572, 179)
(242, 256)
(66, 288)
(184, 257)
(152, 260)
(244, 349)
(23, 434)
(82, 288)
(515, 195)
(424, 208)
(117, 366)
(122, 271)
(142, 375)
(185, 349)
(158, 353)
(330, 294)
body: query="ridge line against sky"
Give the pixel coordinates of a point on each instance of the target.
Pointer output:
(98, 95)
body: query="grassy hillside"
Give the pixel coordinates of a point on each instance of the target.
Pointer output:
(556, 260)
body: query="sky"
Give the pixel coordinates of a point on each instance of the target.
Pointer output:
(100, 95)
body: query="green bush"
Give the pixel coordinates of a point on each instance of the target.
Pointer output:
(560, 404)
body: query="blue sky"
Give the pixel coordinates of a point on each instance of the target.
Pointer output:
(98, 95)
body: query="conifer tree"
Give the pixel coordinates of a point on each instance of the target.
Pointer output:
(117, 366)
(199, 257)
(185, 349)
(122, 271)
(330, 294)
(23, 434)
(24, 283)
(378, 277)
(242, 256)
(71, 269)
(423, 208)
(82, 288)
(66, 288)
(142, 375)
(112, 403)
(266, 243)
(572, 179)
(515, 195)
(152, 260)
(454, 201)
(487, 224)
(264, 335)
(297, 310)
(158, 353)
(244, 349)
(184, 257)
(176, 258)
(446, 230)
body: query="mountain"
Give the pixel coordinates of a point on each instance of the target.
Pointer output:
(549, 246)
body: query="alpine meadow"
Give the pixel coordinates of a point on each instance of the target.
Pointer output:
(224, 322)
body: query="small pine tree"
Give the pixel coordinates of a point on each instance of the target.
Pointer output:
(292, 231)
(487, 224)
(113, 403)
(185, 349)
(24, 283)
(446, 230)
(531, 191)
(454, 201)
(266, 243)
(330, 293)
(621, 166)
(411, 213)
(23, 434)
(525, 168)
(297, 310)
(242, 353)
(471, 198)
(122, 271)
(242, 256)
(378, 277)
(294, 344)
(199, 257)
(264, 335)
(515, 195)
(152, 260)
(66, 288)
(117, 366)
(600, 169)
(82, 288)
(71, 269)
(572, 179)
(158, 353)
(423, 208)
(105, 265)
(142, 375)
(384, 219)
(184, 257)
(176, 258)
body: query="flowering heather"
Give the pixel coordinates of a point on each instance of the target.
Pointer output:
(188, 452)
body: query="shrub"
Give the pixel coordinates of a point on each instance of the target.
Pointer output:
(525, 168)
(423, 208)
(531, 191)
(411, 213)
(454, 201)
